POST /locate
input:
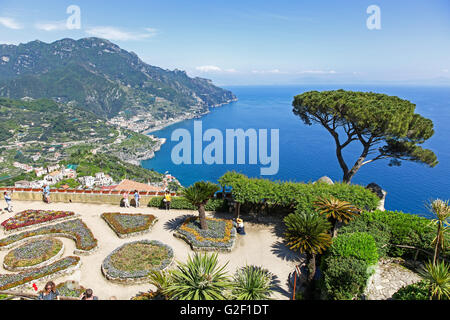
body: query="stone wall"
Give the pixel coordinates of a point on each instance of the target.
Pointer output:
(79, 196)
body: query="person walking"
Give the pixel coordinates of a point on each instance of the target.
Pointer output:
(126, 202)
(50, 292)
(167, 200)
(7, 196)
(137, 197)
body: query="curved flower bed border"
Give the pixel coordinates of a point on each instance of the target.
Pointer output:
(110, 272)
(39, 265)
(10, 226)
(123, 232)
(59, 268)
(199, 243)
(64, 229)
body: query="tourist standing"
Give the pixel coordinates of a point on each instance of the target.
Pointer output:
(50, 292)
(88, 295)
(46, 192)
(126, 202)
(167, 200)
(7, 196)
(137, 197)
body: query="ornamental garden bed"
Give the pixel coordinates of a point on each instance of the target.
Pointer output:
(128, 225)
(70, 289)
(34, 254)
(133, 262)
(151, 295)
(220, 236)
(59, 268)
(76, 230)
(30, 218)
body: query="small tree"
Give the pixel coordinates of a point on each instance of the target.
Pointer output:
(336, 211)
(385, 126)
(309, 234)
(198, 195)
(442, 211)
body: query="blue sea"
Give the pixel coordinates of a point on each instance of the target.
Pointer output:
(308, 152)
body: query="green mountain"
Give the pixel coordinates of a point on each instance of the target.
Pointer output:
(98, 76)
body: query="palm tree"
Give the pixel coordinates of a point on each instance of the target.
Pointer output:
(252, 283)
(442, 211)
(200, 278)
(336, 211)
(437, 277)
(308, 233)
(198, 195)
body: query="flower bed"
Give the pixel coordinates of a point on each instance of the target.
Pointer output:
(63, 266)
(34, 254)
(220, 236)
(151, 295)
(29, 218)
(74, 229)
(126, 225)
(133, 262)
(70, 289)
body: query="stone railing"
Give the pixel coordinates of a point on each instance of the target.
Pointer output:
(80, 196)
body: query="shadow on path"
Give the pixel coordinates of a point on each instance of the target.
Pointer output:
(283, 252)
(173, 224)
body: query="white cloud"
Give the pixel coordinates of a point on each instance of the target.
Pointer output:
(10, 23)
(274, 71)
(51, 26)
(113, 33)
(318, 72)
(215, 69)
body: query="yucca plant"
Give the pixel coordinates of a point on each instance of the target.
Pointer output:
(437, 277)
(336, 211)
(309, 234)
(198, 195)
(161, 280)
(200, 278)
(442, 211)
(252, 283)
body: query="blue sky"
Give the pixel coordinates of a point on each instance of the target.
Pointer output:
(256, 42)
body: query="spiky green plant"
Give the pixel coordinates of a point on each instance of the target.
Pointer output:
(309, 234)
(198, 195)
(200, 278)
(252, 283)
(437, 277)
(336, 211)
(161, 280)
(442, 211)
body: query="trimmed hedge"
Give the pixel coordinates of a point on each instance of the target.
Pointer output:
(262, 195)
(347, 265)
(181, 203)
(358, 245)
(398, 228)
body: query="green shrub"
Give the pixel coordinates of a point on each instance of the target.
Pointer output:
(344, 277)
(416, 291)
(395, 228)
(262, 195)
(358, 245)
(181, 203)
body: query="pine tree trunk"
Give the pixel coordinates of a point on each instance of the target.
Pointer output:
(238, 210)
(202, 217)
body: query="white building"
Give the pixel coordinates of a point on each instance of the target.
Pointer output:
(87, 181)
(53, 177)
